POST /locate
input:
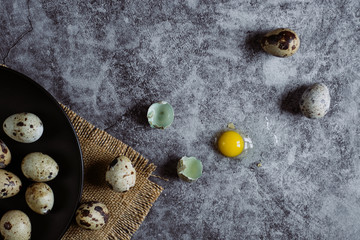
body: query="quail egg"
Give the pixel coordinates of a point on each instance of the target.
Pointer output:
(39, 167)
(232, 143)
(120, 174)
(315, 101)
(15, 225)
(160, 115)
(23, 127)
(5, 155)
(189, 169)
(282, 42)
(10, 184)
(92, 215)
(40, 198)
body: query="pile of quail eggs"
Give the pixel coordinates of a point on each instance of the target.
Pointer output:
(41, 168)
(36, 166)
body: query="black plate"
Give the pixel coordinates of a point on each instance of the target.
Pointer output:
(21, 94)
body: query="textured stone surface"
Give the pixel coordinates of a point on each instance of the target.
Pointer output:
(109, 60)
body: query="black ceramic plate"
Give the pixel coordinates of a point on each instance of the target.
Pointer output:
(19, 93)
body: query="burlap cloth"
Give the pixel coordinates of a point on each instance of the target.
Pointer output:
(127, 210)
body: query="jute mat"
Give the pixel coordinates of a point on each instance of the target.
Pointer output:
(127, 210)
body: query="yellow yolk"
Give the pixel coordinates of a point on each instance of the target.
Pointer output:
(230, 144)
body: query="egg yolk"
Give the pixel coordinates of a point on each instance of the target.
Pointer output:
(230, 144)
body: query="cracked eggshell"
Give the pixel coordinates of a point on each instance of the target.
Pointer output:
(160, 115)
(10, 184)
(5, 155)
(40, 198)
(282, 42)
(189, 169)
(315, 101)
(16, 225)
(23, 127)
(92, 215)
(120, 174)
(39, 167)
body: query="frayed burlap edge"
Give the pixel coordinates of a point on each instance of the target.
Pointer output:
(127, 210)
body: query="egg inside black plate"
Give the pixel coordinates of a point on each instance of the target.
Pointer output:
(21, 94)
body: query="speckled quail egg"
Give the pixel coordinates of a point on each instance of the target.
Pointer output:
(40, 198)
(15, 225)
(281, 42)
(39, 167)
(160, 115)
(232, 143)
(10, 184)
(315, 101)
(189, 169)
(23, 127)
(5, 155)
(92, 215)
(120, 174)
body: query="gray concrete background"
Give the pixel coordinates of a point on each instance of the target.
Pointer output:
(109, 60)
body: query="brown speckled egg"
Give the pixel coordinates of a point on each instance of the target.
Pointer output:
(23, 127)
(5, 155)
(315, 101)
(16, 225)
(39, 167)
(40, 198)
(121, 175)
(10, 184)
(92, 215)
(281, 42)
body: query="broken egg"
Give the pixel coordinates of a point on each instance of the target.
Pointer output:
(160, 115)
(233, 143)
(189, 169)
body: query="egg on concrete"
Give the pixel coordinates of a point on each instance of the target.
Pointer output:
(39, 167)
(10, 184)
(5, 155)
(315, 101)
(15, 225)
(92, 215)
(233, 143)
(282, 42)
(40, 198)
(120, 174)
(23, 127)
